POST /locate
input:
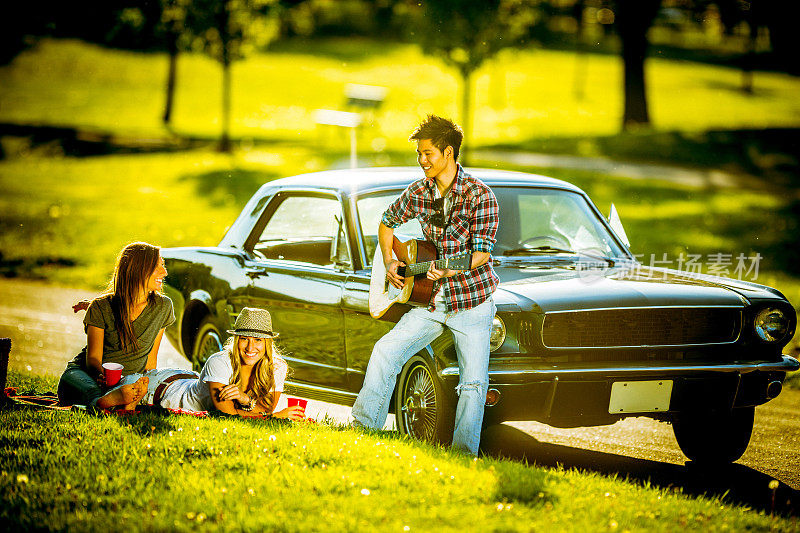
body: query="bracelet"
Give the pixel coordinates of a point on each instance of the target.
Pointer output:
(247, 407)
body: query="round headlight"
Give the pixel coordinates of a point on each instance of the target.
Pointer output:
(498, 336)
(771, 324)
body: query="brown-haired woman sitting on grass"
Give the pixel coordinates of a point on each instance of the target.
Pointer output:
(123, 325)
(245, 378)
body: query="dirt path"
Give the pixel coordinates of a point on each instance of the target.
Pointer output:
(46, 334)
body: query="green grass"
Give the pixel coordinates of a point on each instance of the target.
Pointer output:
(64, 219)
(517, 96)
(72, 471)
(84, 210)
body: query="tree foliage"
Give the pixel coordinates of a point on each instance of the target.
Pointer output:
(465, 34)
(226, 30)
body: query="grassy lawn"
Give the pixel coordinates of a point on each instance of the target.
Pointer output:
(72, 471)
(519, 95)
(64, 219)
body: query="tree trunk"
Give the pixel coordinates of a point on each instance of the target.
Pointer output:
(172, 49)
(781, 19)
(581, 59)
(633, 19)
(225, 140)
(466, 97)
(749, 58)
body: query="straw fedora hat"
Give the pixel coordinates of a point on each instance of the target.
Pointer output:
(253, 322)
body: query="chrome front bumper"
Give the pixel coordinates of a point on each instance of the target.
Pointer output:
(571, 396)
(786, 364)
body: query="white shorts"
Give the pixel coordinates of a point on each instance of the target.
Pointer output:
(156, 377)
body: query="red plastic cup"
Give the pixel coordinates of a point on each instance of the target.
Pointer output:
(298, 401)
(113, 373)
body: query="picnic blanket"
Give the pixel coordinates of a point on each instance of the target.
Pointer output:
(12, 398)
(49, 400)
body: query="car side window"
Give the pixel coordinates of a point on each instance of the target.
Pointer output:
(306, 229)
(370, 210)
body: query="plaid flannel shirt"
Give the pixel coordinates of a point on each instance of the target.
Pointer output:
(471, 227)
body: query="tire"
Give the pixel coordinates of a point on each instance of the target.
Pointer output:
(714, 438)
(424, 408)
(207, 342)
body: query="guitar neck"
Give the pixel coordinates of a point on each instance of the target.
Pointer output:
(419, 268)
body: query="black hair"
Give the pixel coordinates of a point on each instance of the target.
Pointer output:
(442, 133)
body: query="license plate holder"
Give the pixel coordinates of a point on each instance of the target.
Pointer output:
(640, 396)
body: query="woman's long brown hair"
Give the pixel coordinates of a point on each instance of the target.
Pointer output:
(135, 263)
(263, 374)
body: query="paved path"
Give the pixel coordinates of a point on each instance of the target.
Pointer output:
(692, 177)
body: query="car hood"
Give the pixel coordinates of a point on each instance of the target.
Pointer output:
(544, 288)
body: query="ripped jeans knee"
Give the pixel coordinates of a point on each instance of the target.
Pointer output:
(478, 386)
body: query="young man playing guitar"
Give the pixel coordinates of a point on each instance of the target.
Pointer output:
(458, 213)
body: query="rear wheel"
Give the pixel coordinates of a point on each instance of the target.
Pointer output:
(207, 343)
(423, 408)
(714, 438)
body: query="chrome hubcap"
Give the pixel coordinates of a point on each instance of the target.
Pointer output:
(419, 404)
(209, 345)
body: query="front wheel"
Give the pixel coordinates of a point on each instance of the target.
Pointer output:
(714, 438)
(207, 343)
(423, 408)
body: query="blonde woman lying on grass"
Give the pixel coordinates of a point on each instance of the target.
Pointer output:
(246, 378)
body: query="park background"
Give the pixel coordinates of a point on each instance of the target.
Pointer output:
(156, 121)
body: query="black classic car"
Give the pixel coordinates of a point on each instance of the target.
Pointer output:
(584, 334)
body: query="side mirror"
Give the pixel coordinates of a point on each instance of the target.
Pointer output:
(616, 224)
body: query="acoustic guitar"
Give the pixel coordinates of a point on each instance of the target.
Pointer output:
(417, 289)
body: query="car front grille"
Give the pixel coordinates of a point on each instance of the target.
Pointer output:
(528, 333)
(660, 326)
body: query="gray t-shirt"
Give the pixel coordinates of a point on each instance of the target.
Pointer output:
(157, 315)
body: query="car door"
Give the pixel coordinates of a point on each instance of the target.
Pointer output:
(298, 272)
(363, 331)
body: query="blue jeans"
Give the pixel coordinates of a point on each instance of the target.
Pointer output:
(78, 387)
(471, 330)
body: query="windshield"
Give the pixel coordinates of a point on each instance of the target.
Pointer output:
(533, 221)
(538, 220)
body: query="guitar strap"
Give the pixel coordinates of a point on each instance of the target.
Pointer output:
(447, 207)
(438, 297)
